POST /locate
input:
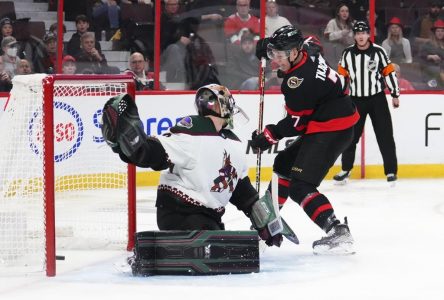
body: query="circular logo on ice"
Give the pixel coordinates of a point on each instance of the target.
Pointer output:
(68, 131)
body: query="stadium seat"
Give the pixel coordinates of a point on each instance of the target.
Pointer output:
(137, 12)
(37, 28)
(7, 9)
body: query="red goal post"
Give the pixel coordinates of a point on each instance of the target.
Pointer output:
(55, 160)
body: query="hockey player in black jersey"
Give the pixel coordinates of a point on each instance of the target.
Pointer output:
(322, 115)
(203, 164)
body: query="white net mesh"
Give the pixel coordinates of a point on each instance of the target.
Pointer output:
(90, 180)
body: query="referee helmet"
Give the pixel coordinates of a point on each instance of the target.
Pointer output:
(361, 26)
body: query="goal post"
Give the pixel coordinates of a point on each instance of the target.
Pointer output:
(61, 187)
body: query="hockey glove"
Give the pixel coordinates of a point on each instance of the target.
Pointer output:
(313, 46)
(261, 48)
(266, 221)
(264, 140)
(122, 128)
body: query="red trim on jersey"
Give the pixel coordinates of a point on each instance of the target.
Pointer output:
(308, 199)
(284, 182)
(282, 200)
(320, 209)
(305, 112)
(301, 127)
(300, 63)
(333, 124)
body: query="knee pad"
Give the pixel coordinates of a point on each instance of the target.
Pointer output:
(300, 189)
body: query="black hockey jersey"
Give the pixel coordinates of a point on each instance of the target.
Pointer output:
(315, 99)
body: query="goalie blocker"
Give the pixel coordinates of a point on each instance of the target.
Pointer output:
(199, 252)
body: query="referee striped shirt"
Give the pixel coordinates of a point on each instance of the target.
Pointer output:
(367, 70)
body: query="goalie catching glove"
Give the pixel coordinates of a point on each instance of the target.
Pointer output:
(122, 128)
(123, 131)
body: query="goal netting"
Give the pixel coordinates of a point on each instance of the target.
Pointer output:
(61, 187)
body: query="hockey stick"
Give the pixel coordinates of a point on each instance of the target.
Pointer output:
(261, 120)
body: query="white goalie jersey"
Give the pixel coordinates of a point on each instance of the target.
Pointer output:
(205, 165)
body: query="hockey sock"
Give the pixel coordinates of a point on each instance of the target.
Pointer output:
(320, 210)
(317, 207)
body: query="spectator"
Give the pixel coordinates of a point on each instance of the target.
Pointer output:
(69, 65)
(54, 28)
(236, 24)
(432, 52)
(397, 47)
(10, 59)
(5, 78)
(421, 28)
(170, 24)
(82, 26)
(138, 67)
(339, 32)
(48, 56)
(173, 61)
(243, 64)
(404, 84)
(24, 67)
(273, 20)
(437, 82)
(6, 29)
(31, 48)
(172, 20)
(200, 65)
(105, 16)
(90, 59)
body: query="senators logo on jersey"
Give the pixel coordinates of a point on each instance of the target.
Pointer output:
(294, 82)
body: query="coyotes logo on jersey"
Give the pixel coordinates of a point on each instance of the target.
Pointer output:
(227, 174)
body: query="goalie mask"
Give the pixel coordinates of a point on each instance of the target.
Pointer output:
(216, 100)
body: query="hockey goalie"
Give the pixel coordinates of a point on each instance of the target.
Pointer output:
(194, 188)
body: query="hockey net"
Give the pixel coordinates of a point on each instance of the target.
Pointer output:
(61, 187)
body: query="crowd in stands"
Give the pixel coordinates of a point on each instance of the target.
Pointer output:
(214, 41)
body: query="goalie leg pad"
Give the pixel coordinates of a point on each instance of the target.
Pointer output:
(198, 252)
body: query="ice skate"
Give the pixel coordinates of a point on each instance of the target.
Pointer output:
(338, 241)
(342, 177)
(391, 179)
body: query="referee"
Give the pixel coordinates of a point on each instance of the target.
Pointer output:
(366, 65)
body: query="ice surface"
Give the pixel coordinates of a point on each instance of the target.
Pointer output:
(399, 244)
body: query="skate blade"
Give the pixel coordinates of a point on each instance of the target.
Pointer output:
(392, 184)
(342, 249)
(342, 182)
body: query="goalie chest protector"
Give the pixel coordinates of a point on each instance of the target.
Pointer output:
(198, 252)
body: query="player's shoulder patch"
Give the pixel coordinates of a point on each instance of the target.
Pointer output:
(186, 122)
(194, 125)
(294, 82)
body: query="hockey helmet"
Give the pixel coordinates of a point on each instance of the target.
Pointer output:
(284, 39)
(361, 26)
(216, 100)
